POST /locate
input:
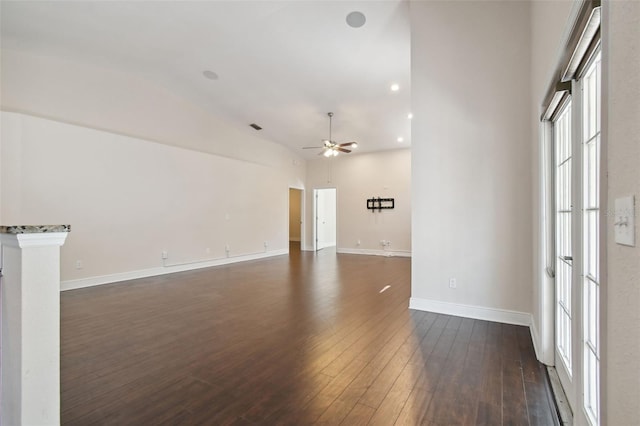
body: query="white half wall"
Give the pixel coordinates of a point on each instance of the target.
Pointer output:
(385, 174)
(471, 165)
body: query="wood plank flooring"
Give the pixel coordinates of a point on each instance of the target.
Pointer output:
(293, 340)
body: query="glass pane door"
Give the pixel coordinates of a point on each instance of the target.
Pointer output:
(591, 240)
(564, 251)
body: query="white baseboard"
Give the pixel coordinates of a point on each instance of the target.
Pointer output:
(161, 270)
(369, 252)
(470, 311)
(534, 338)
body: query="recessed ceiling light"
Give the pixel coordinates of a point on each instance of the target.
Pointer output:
(400, 139)
(410, 116)
(356, 19)
(395, 87)
(210, 75)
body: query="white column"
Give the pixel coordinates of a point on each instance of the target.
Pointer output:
(31, 328)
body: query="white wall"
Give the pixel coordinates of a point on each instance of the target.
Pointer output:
(621, 137)
(128, 104)
(384, 174)
(205, 185)
(129, 199)
(471, 166)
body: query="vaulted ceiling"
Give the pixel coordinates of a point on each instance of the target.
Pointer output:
(280, 64)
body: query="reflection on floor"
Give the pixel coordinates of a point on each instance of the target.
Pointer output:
(300, 339)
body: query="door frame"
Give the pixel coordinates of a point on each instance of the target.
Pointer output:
(302, 204)
(302, 214)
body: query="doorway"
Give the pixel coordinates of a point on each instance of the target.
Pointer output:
(295, 218)
(325, 218)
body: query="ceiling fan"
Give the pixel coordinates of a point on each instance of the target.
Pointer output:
(331, 148)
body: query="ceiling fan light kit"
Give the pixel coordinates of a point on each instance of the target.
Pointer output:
(331, 148)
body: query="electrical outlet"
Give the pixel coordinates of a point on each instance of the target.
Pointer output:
(227, 248)
(207, 250)
(79, 264)
(453, 283)
(358, 243)
(165, 255)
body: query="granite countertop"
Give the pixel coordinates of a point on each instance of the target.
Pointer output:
(34, 229)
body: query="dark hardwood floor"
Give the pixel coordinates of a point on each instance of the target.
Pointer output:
(293, 340)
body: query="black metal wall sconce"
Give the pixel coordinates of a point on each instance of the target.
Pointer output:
(380, 204)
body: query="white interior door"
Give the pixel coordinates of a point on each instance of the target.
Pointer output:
(325, 218)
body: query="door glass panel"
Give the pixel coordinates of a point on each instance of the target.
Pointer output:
(564, 260)
(591, 239)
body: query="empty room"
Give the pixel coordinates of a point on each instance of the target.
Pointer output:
(320, 212)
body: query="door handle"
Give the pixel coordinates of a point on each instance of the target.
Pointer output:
(567, 258)
(550, 272)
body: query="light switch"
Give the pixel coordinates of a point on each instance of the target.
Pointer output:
(624, 222)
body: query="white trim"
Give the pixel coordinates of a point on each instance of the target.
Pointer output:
(152, 272)
(470, 311)
(545, 305)
(37, 239)
(367, 252)
(535, 339)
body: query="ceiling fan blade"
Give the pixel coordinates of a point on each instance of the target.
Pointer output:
(312, 147)
(343, 150)
(349, 143)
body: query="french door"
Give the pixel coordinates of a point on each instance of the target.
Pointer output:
(577, 145)
(564, 244)
(590, 141)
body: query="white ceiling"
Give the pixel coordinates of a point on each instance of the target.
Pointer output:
(281, 64)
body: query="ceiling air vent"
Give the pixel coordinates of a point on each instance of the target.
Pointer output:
(255, 126)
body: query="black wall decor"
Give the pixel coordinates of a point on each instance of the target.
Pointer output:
(377, 203)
